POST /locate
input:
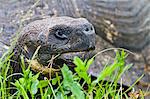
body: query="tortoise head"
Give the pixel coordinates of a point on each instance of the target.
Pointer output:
(65, 36)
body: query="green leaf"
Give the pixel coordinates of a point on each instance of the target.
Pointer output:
(26, 73)
(21, 89)
(22, 63)
(49, 91)
(89, 62)
(82, 68)
(30, 74)
(79, 63)
(43, 83)
(54, 81)
(35, 77)
(119, 63)
(28, 85)
(67, 74)
(69, 82)
(34, 87)
(22, 81)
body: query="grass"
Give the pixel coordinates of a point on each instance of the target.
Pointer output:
(68, 85)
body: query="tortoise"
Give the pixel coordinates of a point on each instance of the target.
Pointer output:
(130, 18)
(124, 23)
(64, 37)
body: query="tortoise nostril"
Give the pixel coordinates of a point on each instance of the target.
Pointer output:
(91, 28)
(88, 29)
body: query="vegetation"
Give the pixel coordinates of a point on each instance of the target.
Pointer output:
(69, 85)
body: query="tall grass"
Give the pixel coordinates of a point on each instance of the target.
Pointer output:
(74, 85)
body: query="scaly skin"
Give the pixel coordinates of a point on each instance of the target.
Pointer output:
(56, 35)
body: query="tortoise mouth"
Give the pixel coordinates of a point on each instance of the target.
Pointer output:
(68, 57)
(64, 58)
(83, 54)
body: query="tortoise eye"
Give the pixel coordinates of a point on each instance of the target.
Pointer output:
(60, 34)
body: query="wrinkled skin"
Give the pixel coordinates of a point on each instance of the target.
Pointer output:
(58, 35)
